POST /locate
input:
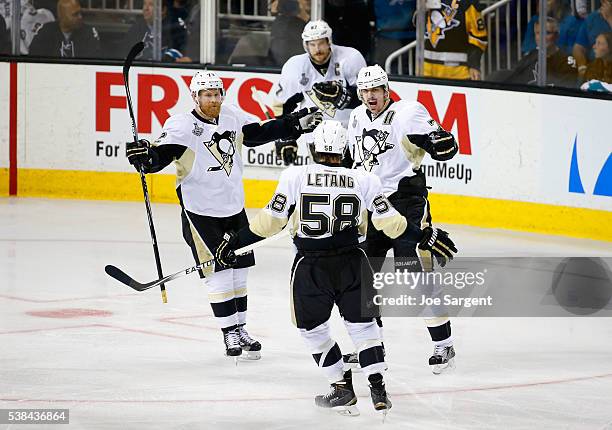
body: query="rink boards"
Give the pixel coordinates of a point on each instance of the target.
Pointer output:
(527, 161)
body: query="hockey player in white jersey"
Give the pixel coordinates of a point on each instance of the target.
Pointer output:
(325, 206)
(205, 145)
(325, 76)
(32, 20)
(390, 139)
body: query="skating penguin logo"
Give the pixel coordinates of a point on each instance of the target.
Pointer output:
(441, 20)
(222, 147)
(371, 144)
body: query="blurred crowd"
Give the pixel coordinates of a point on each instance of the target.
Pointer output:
(578, 37)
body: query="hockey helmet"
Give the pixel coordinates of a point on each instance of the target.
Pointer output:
(330, 137)
(205, 80)
(372, 77)
(316, 30)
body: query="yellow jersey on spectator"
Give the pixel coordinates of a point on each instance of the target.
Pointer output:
(456, 35)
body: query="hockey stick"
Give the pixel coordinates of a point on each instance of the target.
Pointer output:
(124, 278)
(137, 49)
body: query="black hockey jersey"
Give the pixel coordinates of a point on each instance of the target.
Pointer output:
(51, 42)
(455, 34)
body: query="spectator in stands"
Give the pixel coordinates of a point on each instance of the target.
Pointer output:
(68, 37)
(192, 46)
(455, 39)
(285, 40)
(178, 13)
(394, 27)
(142, 30)
(559, 67)
(350, 20)
(5, 40)
(595, 23)
(569, 24)
(601, 68)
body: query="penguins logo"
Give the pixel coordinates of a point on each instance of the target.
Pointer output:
(222, 147)
(440, 21)
(371, 144)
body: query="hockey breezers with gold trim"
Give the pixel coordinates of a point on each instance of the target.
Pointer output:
(126, 279)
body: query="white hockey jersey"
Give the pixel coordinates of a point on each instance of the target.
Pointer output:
(298, 75)
(319, 201)
(209, 173)
(381, 146)
(32, 20)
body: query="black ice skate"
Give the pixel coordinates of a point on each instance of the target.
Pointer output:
(443, 358)
(341, 398)
(252, 347)
(231, 339)
(380, 399)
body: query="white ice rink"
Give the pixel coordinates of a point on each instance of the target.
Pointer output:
(71, 337)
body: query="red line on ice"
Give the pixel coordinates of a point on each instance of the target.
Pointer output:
(277, 399)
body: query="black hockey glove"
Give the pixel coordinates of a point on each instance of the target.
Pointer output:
(306, 120)
(138, 153)
(439, 244)
(332, 92)
(225, 255)
(440, 144)
(286, 150)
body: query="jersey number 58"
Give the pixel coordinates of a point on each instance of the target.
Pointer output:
(345, 210)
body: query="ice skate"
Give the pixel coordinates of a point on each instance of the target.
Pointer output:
(380, 399)
(251, 346)
(341, 398)
(443, 359)
(231, 339)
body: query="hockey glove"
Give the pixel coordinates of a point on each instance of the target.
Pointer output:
(286, 150)
(225, 256)
(439, 244)
(306, 120)
(332, 92)
(138, 153)
(440, 144)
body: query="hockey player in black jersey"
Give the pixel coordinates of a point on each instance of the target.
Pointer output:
(325, 206)
(205, 145)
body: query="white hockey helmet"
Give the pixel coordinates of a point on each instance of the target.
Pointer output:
(316, 30)
(372, 77)
(205, 80)
(330, 137)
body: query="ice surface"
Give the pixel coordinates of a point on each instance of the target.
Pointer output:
(71, 337)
